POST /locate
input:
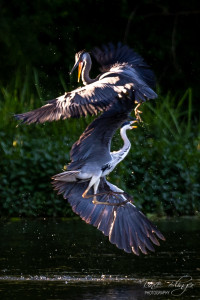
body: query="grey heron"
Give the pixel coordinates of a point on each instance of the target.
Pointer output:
(121, 70)
(91, 158)
(127, 227)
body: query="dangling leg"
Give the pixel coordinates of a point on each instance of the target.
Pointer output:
(92, 182)
(138, 112)
(94, 201)
(95, 182)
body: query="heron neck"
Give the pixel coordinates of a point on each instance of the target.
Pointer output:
(85, 76)
(127, 144)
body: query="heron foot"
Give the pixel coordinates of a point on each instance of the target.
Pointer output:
(84, 195)
(137, 113)
(87, 196)
(100, 194)
(110, 193)
(109, 203)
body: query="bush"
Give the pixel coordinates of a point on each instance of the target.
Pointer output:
(161, 170)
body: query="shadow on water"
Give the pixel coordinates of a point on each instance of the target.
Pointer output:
(68, 259)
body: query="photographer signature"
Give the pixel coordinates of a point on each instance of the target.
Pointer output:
(179, 286)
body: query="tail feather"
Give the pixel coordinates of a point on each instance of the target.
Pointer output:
(68, 176)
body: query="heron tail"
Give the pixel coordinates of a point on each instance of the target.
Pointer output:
(68, 176)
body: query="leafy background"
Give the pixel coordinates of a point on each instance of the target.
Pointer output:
(38, 41)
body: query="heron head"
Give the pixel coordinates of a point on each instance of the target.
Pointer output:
(80, 59)
(129, 125)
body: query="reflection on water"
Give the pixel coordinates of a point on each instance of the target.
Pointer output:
(68, 259)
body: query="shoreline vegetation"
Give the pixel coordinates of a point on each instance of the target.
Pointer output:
(161, 171)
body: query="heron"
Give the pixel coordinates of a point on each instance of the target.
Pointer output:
(117, 217)
(121, 70)
(91, 158)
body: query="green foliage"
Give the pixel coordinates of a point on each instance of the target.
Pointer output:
(31, 155)
(161, 170)
(46, 34)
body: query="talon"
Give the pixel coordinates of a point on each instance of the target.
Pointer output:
(84, 195)
(138, 112)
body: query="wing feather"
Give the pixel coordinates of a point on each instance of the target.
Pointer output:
(123, 70)
(110, 55)
(96, 139)
(126, 226)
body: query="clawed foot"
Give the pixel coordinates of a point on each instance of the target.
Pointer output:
(137, 113)
(87, 196)
(108, 194)
(109, 203)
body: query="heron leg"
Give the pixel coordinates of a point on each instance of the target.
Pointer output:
(138, 112)
(94, 180)
(94, 201)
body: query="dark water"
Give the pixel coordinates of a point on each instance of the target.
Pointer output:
(61, 259)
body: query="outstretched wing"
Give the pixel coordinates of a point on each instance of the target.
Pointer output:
(96, 139)
(90, 99)
(127, 227)
(110, 55)
(125, 71)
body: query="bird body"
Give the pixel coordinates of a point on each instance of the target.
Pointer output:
(124, 79)
(122, 70)
(93, 165)
(111, 211)
(91, 156)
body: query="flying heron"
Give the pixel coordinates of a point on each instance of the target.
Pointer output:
(127, 227)
(121, 70)
(91, 158)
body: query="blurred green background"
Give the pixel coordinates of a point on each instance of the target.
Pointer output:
(38, 40)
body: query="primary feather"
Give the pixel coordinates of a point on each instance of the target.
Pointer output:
(122, 70)
(127, 227)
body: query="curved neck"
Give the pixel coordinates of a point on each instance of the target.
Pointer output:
(86, 70)
(127, 144)
(121, 154)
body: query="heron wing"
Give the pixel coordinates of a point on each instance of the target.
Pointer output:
(127, 227)
(95, 141)
(90, 99)
(131, 79)
(110, 55)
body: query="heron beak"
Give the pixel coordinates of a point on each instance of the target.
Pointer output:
(80, 65)
(133, 127)
(74, 67)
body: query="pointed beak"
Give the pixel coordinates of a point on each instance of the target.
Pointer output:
(133, 127)
(80, 65)
(74, 67)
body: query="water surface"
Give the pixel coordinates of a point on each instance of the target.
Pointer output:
(68, 259)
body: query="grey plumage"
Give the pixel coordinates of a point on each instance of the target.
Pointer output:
(122, 70)
(125, 79)
(90, 156)
(114, 214)
(126, 226)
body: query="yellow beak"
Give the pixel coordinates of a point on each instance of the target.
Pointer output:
(133, 127)
(79, 70)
